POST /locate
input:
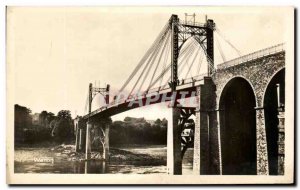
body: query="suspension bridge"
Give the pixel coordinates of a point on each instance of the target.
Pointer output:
(239, 125)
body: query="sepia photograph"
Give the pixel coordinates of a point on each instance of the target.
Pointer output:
(150, 95)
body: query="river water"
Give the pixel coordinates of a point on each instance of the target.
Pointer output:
(25, 161)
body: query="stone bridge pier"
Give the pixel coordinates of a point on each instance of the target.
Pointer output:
(80, 133)
(206, 133)
(93, 136)
(206, 136)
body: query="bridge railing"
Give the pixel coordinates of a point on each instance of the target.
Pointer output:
(193, 79)
(255, 55)
(153, 91)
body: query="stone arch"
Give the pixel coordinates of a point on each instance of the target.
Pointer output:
(270, 104)
(227, 81)
(270, 79)
(238, 127)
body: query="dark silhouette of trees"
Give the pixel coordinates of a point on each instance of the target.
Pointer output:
(65, 114)
(49, 118)
(138, 131)
(42, 118)
(63, 127)
(23, 121)
(60, 129)
(25, 131)
(49, 128)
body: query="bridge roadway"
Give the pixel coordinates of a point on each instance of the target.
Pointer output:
(154, 96)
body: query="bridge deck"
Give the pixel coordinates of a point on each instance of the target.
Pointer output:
(253, 56)
(187, 86)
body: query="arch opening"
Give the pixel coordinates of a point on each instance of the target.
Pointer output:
(238, 128)
(271, 117)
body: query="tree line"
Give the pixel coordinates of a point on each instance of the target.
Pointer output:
(59, 128)
(48, 128)
(138, 131)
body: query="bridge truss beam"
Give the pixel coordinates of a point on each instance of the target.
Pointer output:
(181, 32)
(93, 91)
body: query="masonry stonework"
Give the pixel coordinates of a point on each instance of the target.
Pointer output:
(258, 73)
(206, 152)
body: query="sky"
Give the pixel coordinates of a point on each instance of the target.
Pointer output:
(54, 53)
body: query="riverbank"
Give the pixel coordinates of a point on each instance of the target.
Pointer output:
(115, 155)
(148, 159)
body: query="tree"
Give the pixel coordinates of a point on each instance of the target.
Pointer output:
(22, 116)
(52, 124)
(164, 123)
(61, 131)
(138, 131)
(63, 126)
(23, 121)
(50, 117)
(66, 114)
(158, 122)
(42, 118)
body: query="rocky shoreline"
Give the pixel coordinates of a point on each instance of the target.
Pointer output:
(115, 155)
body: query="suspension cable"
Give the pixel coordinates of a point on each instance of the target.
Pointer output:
(158, 45)
(152, 60)
(196, 54)
(165, 60)
(144, 58)
(226, 40)
(209, 60)
(86, 104)
(185, 55)
(188, 56)
(200, 63)
(166, 42)
(169, 66)
(220, 50)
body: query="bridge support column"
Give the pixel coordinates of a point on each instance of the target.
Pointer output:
(201, 144)
(261, 143)
(281, 139)
(219, 142)
(174, 161)
(79, 143)
(197, 160)
(88, 141)
(95, 134)
(82, 134)
(106, 143)
(77, 138)
(87, 166)
(206, 141)
(213, 140)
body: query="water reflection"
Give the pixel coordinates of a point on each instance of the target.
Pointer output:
(24, 163)
(90, 167)
(95, 166)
